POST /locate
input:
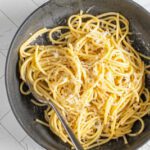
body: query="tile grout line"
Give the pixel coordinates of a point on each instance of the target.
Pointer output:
(5, 49)
(2, 53)
(35, 3)
(5, 115)
(23, 139)
(2, 76)
(20, 142)
(9, 132)
(8, 18)
(6, 128)
(26, 146)
(12, 136)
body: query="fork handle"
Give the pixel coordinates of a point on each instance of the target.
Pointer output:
(70, 133)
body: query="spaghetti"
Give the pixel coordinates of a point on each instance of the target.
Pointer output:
(92, 74)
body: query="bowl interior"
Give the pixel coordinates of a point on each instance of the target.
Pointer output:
(54, 13)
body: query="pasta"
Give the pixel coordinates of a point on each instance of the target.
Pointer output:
(92, 74)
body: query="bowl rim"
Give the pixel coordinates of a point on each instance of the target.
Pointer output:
(132, 2)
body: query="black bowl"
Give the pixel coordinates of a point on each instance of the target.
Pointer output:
(53, 13)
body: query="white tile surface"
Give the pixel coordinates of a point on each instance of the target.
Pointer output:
(39, 2)
(7, 142)
(9, 122)
(12, 14)
(7, 31)
(29, 144)
(145, 146)
(4, 52)
(4, 105)
(2, 64)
